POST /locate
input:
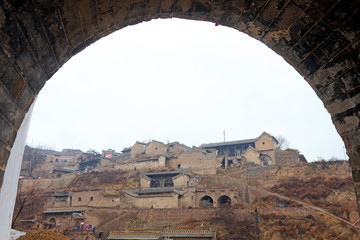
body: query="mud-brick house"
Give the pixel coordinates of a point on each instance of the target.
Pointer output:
(177, 178)
(152, 148)
(94, 198)
(200, 161)
(55, 217)
(160, 189)
(175, 189)
(65, 156)
(59, 200)
(260, 150)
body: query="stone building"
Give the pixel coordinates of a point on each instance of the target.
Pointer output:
(177, 178)
(199, 160)
(88, 198)
(57, 217)
(144, 163)
(155, 148)
(151, 148)
(66, 155)
(59, 200)
(262, 150)
(94, 198)
(175, 189)
(138, 148)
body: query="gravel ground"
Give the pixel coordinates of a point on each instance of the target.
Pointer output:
(43, 235)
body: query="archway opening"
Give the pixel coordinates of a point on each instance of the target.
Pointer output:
(154, 183)
(234, 67)
(168, 183)
(206, 201)
(224, 201)
(52, 223)
(266, 159)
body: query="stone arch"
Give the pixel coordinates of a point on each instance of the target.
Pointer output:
(168, 183)
(319, 38)
(206, 201)
(52, 223)
(223, 200)
(266, 159)
(154, 183)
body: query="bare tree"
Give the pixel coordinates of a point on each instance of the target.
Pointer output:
(30, 200)
(89, 159)
(33, 157)
(283, 143)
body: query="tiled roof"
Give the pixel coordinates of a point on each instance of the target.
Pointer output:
(156, 190)
(63, 211)
(245, 141)
(221, 144)
(174, 172)
(60, 195)
(63, 170)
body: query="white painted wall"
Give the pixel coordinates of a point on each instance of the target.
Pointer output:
(11, 176)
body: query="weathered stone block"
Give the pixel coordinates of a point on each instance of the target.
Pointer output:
(331, 47)
(11, 79)
(7, 133)
(339, 14)
(4, 155)
(351, 30)
(291, 12)
(346, 124)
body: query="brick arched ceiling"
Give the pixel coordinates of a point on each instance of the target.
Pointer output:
(319, 38)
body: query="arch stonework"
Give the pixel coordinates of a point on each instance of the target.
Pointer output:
(319, 38)
(223, 200)
(206, 201)
(215, 195)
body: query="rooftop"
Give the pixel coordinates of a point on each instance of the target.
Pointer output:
(168, 172)
(220, 144)
(60, 195)
(157, 190)
(56, 169)
(149, 235)
(64, 211)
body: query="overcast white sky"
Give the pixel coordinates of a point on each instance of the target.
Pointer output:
(179, 80)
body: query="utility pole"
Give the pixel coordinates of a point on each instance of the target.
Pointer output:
(257, 230)
(224, 135)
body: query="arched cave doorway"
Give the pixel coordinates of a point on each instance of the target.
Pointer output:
(224, 201)
(168, 183)
(206, 201)
(266, 159)
(52, 223)
(154, 183)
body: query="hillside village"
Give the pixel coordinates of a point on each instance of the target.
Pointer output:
(83, 190)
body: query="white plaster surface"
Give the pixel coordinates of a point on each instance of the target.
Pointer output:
(14, 234)
(11, 176)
